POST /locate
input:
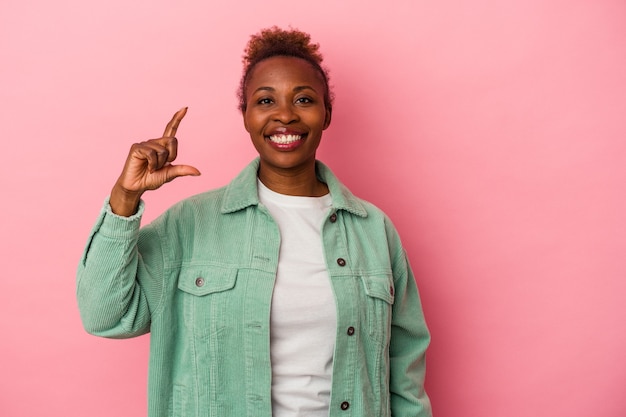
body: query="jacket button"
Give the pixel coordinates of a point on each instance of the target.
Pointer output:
(341, 262)
(199, 282)
(391, 291)
(350, 331)
(345, 405)
(333, 218)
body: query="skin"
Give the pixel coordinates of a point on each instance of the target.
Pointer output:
(149, 166)
(285, 95)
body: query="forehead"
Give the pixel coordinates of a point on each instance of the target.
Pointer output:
(280, 70)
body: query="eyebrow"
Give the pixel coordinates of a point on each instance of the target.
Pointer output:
(295, 90)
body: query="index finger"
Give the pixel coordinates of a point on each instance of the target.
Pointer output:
(172, 126)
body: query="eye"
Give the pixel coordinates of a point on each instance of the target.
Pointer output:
(264, 100)
(304, 100)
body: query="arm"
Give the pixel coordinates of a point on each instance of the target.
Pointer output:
(111, 300)
(409, 339)
(116, 281)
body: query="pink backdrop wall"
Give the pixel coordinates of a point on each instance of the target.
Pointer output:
(491, 132)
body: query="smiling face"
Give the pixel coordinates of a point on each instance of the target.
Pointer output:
(285, 115)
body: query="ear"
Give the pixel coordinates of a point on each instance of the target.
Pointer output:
(245, 122)
(327, 119)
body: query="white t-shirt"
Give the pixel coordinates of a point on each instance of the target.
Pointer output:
(303, 316)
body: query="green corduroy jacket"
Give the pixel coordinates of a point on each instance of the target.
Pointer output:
(200, 277)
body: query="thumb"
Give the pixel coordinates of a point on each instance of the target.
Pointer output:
(175, 171)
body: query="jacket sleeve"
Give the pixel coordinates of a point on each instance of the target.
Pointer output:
(409, 339)
(116, 284)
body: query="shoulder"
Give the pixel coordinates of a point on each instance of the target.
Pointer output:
(344, 199)
(204, 200)
(376, 217)
(185, 214)
(240, 193)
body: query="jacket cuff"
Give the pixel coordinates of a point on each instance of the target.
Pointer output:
(115, 226)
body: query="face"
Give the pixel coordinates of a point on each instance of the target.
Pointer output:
(286, 114)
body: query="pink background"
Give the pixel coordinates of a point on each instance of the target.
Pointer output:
(491, 132)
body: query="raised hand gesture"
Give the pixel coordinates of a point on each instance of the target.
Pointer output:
(149, 166)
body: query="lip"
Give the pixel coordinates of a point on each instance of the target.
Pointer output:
(288, 146)
(284, 131)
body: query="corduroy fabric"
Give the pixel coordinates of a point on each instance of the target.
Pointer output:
(200, 277)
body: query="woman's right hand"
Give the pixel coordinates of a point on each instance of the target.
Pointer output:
(148, 167)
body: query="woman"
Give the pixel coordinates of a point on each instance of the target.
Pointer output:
(281, 294)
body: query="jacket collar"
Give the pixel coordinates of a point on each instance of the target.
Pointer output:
(242, 190)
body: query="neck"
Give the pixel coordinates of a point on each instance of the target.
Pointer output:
(298, 182)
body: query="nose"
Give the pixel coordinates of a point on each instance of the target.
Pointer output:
(285, 113)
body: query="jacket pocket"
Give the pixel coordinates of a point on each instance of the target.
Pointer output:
(204, 280)
(379, 293)
(205, 293)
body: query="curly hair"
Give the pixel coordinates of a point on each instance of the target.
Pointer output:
(273, 42)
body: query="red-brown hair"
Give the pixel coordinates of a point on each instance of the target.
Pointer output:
(278, 42)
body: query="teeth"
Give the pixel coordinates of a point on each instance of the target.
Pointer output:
(284, 138)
